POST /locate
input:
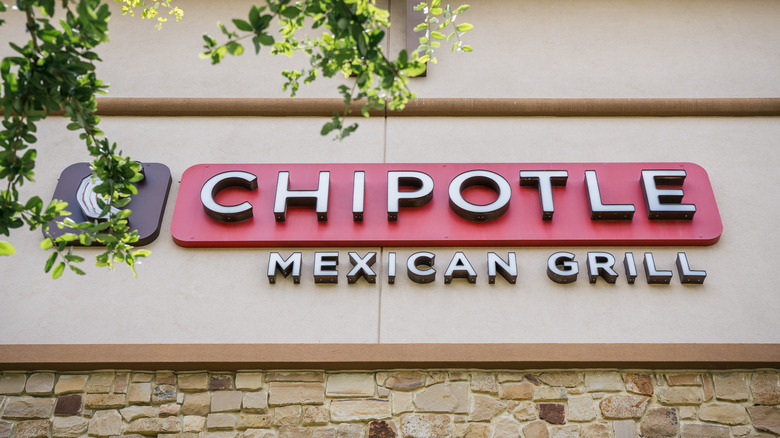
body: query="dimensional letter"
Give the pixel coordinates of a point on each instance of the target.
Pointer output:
(421, 259)
(474, 212)
(391, 268)
(286, 267)
(630, 266)
(561, 268)
(687, 275)
(325, 267)
(460, 267)
(600, 264)
(544, 179)
(361, 267)
(313, 198)
(397, 198)
(358, 195)
(600, 211)
(665, 203)
(507, 269)
(654, 276)
(227, 213)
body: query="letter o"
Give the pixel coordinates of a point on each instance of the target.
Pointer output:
(475, 212)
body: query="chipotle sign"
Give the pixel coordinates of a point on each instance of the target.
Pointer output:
(447, 204)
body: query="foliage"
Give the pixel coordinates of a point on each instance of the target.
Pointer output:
(351, 32)
(150, 10)
(55, 71)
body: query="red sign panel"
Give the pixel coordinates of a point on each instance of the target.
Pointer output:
(588, 205)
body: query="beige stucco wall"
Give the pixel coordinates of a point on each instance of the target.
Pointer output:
(540, 49)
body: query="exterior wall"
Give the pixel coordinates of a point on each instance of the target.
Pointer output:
(386, 404)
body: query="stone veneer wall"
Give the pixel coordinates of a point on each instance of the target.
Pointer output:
(382, 404)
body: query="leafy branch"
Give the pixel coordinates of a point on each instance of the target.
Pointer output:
(54, 71)
(351, 33)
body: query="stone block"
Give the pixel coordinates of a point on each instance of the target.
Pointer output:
(6, 428)
(683, 379)
(624, 429)
(106, 423)
(295, 432)
(765, 388)
(256, 402)
(287, 415)
(68, 427)
(295, 376)
(359, 409)
(525, 411)
(402, 402)
(165, 378)
(427, 426)
(553, 413)
(660, 423)
(100, 383)
(708, 387)
(436, 377)
(33, 429)
(639, 383)
(221, 421)
(731, 387)
(549, 393)
(566, 379)
(461, 392)
(697, 430)
(350, 385)
(193, 381)
(485, 407)
(249, 381)
(582, 408)
(40, 384)
(193, 423)
(313, 415)
(517, 391)
(405, 380)
(383, 429)
(765, 418)
(142, 377)
(120, 383)
(28, 407)
(436, 398)
(218, 382)
(253, 421)
(226, 401)
(12, 383)
(169, 409)
(105, 401)
(723, 413)
(536, 429)
(131, 413)
(472, 430)
(603, 381)
(623, 406)
(680, 395)
(595, 430)
(288, 393)
(70, 383)
(484, 382)
(326, 432)
(687, 412)
(68, 405)
(139, 393)
(163, 394)
(154, 426)
(217, 434)
(196, 404)
(568, 431)
(502, 376)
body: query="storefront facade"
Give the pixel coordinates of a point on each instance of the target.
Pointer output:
(204, 343)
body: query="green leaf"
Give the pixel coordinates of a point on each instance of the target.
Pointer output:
(50, 262)
(242, 25)
(57, 272)
(77, 270)
(266, 39)
(461, 9)
(437, 35)
(467, 49)
(235, 48)
(46, 243)
(6, 249)
(464, 27)
(290, 12)
(421, 26)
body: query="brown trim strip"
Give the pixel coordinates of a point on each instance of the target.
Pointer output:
(182, 357)
(443, 107)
